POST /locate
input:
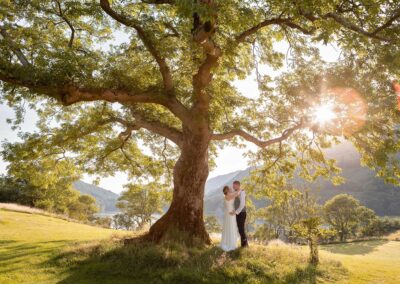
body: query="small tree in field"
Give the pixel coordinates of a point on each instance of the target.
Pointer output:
(288, 208)
(310, 229)
(166, 87)
(82, 207)
(123, 221)
(140, 202)
(341, 212)
(366, 221)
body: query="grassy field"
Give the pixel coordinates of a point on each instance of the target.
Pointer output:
(45, 249)
(369, 261)
(28, 242)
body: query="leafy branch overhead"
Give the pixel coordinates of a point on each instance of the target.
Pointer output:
(80, 71)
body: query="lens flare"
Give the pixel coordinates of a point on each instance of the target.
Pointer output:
(340, 111)
(396, 87)
(324, 114)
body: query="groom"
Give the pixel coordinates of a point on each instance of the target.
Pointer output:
(240, 212)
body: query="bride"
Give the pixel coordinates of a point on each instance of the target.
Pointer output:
(229, 225)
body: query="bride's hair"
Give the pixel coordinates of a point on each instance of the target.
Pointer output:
(225, 190)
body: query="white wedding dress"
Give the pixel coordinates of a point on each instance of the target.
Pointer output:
(229, 227)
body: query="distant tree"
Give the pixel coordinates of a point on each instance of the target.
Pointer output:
(287, 208)
(341, 213)
(105, 222)
(56, 196)
(44, 182)
(382, 226)
(14, 190)
(140, 202)
(123, 221)
(82, 207)
(366, 220)
(212, 224)
(265, 232)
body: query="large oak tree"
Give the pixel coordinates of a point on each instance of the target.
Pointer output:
(167, 88)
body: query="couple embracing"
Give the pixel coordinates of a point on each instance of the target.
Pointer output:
(234, 217)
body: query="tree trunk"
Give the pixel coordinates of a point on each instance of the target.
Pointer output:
(313, 244)
(183, 222)
(342, 235)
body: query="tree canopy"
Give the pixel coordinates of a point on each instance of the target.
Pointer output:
(133, 85)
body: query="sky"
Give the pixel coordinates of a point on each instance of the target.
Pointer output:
(229, 159)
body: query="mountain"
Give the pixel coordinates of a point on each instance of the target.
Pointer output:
(106, 199)
(361, 182)
(215, 185)
(213, 196)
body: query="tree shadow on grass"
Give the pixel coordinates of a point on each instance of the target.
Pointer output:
(6, 242)
(17, 253)
(134, 263)
(149, 263)
(354, 248)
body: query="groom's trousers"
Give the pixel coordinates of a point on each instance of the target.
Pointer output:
(241, 220)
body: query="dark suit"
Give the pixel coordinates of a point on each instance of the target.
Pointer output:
(241, 221)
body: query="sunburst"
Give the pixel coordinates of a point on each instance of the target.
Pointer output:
(324, 114)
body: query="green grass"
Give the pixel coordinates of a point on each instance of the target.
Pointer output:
(110, 262)
(29, 241)
(369, 261)
(44, 249)
(36, 248)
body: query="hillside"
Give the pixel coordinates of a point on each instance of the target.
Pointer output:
(30, 242)
(41, 249)
(361, 182)
(105, 199)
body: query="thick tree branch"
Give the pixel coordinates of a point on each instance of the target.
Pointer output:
(346, 23)
(202, 34)
(154, 126)
(73, 94)
(255, 140)
(70, 94)
(204, 76)
(147, 41)
(336, 16)
(276, 21)
(389, 22)
(351, 26)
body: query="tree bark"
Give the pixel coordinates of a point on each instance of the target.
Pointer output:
(313, 244)
(342, 235)
(183, 222)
